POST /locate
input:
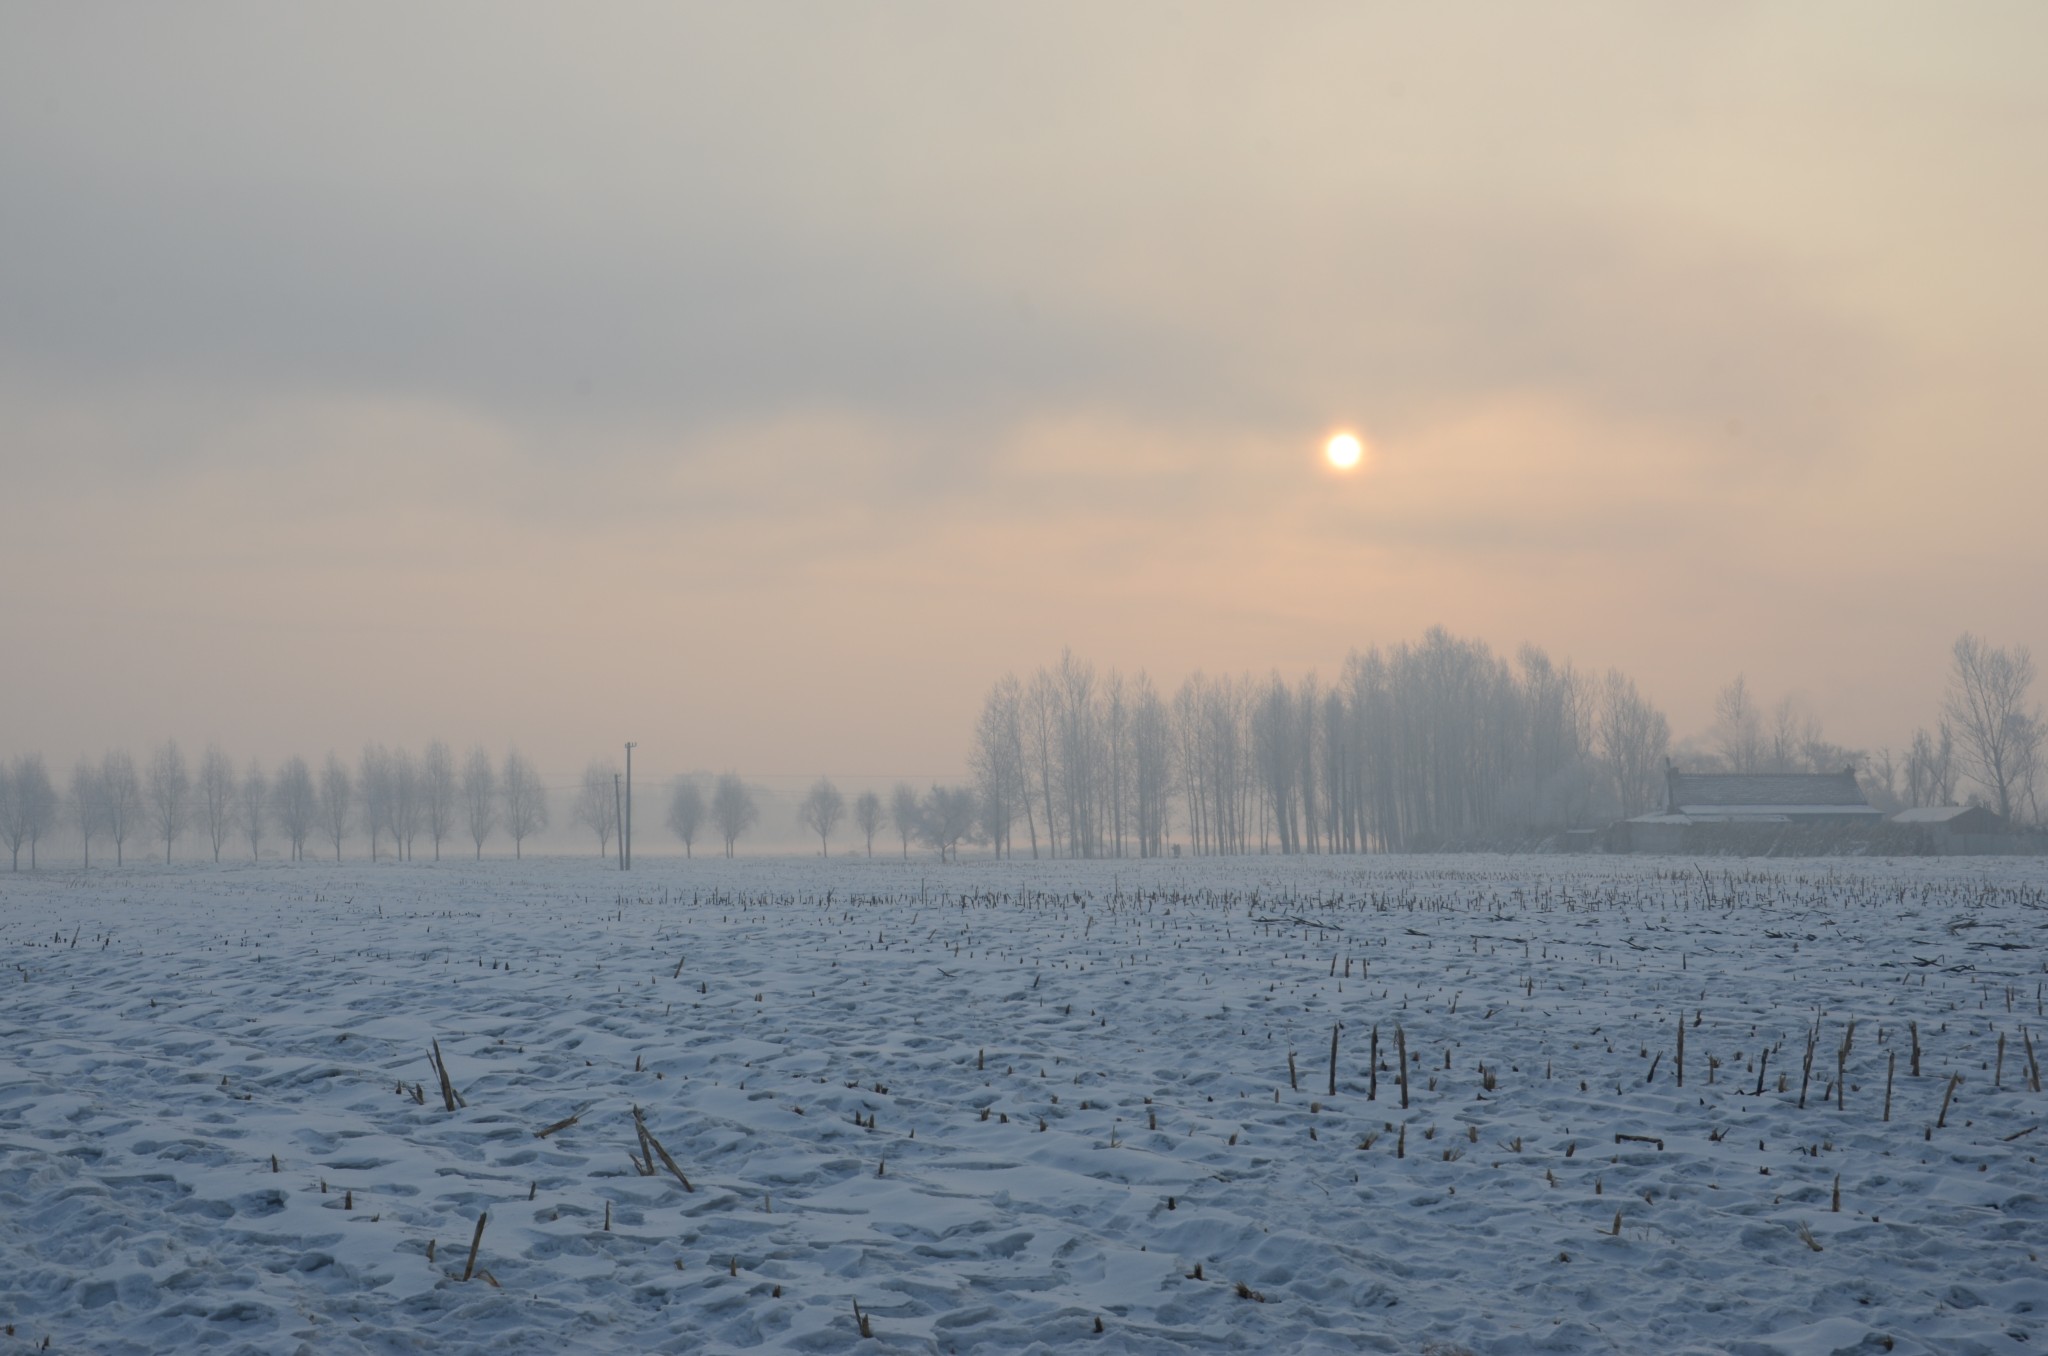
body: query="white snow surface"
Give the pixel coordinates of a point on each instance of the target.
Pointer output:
(993, 1103)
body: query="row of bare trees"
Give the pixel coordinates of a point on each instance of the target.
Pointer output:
(1431, 744)
(389, 797)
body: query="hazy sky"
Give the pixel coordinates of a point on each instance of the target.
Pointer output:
(761, 381)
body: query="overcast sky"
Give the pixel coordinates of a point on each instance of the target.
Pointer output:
(761, 381)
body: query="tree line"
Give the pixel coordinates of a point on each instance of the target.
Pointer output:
(388, 796)
(1437, 744)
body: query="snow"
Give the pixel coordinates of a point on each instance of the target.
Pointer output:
(168, 1030)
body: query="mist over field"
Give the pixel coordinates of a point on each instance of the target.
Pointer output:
(763, 385)
(1155, 677)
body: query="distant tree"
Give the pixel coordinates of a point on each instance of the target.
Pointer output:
(88, 806)
(337, 802)
(867, 817)
(373, 793)
(437, 792)
(252, 808)
(597, 802)
(170, 794)
(686, 812)
(217, 795)
(120, 788)
(905, 813)
(28, 806)
(1738, 728)
(733, 811)
(13, 823)
(1795, 743)
(298, 803)
(406, 805)
(820, 812)
(998, 759)
(948, 816)
(1930, 767)
(524, 799)
(1997, 735)
(1634, 739)
(479, 797)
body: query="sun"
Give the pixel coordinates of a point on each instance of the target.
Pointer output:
(1344, 450)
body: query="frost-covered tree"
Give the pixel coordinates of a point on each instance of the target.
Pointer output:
(479, 797)
(170, 794)
(820, 812)
(867, 817)
(120, 799)
(524, 799)
(997, 760)
(437, 792)
(1634, 739)
(905, 813)
(1998, 736)
(28, 806)
(597, 802)
(300, 802)
(87, 805)
(252, 808)
(947, 816)
(686, 812)
(337, 802)
(217, 796)
(732, 808)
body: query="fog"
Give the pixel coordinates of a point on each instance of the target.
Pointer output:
(762, 385)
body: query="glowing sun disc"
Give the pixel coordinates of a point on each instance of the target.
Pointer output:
(1344, 451)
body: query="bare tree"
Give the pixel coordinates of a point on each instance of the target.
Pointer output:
(998, 762)
(905, 813)
(1930, 767)
(252, 807)
(1151, 768)
(1795, 741)
(300, 805)
(948, 817)
(867, 817)
(437, 792)
(217, 795)
(405, 806)
(524, 799)
(373, 793)
(732, 808)
(13, 822)
(28, 806)
(88, 801)
(820, 812)
(1997, 735)
(337, 802)
(686, 812)
(1738, 727)
(479, 797)
(170, 794)
(597, 802)
(120, 788)
(1634, 738)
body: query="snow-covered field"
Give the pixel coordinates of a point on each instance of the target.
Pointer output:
(996, 1105)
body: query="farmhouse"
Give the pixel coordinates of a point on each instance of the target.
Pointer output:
(1957, 829)
(1750, 812)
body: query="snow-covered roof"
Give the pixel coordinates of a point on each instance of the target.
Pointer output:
(1943, 814)
(1764, 792)
(1780, 811)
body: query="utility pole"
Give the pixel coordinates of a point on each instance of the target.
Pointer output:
(626, 827)
(618, 813)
